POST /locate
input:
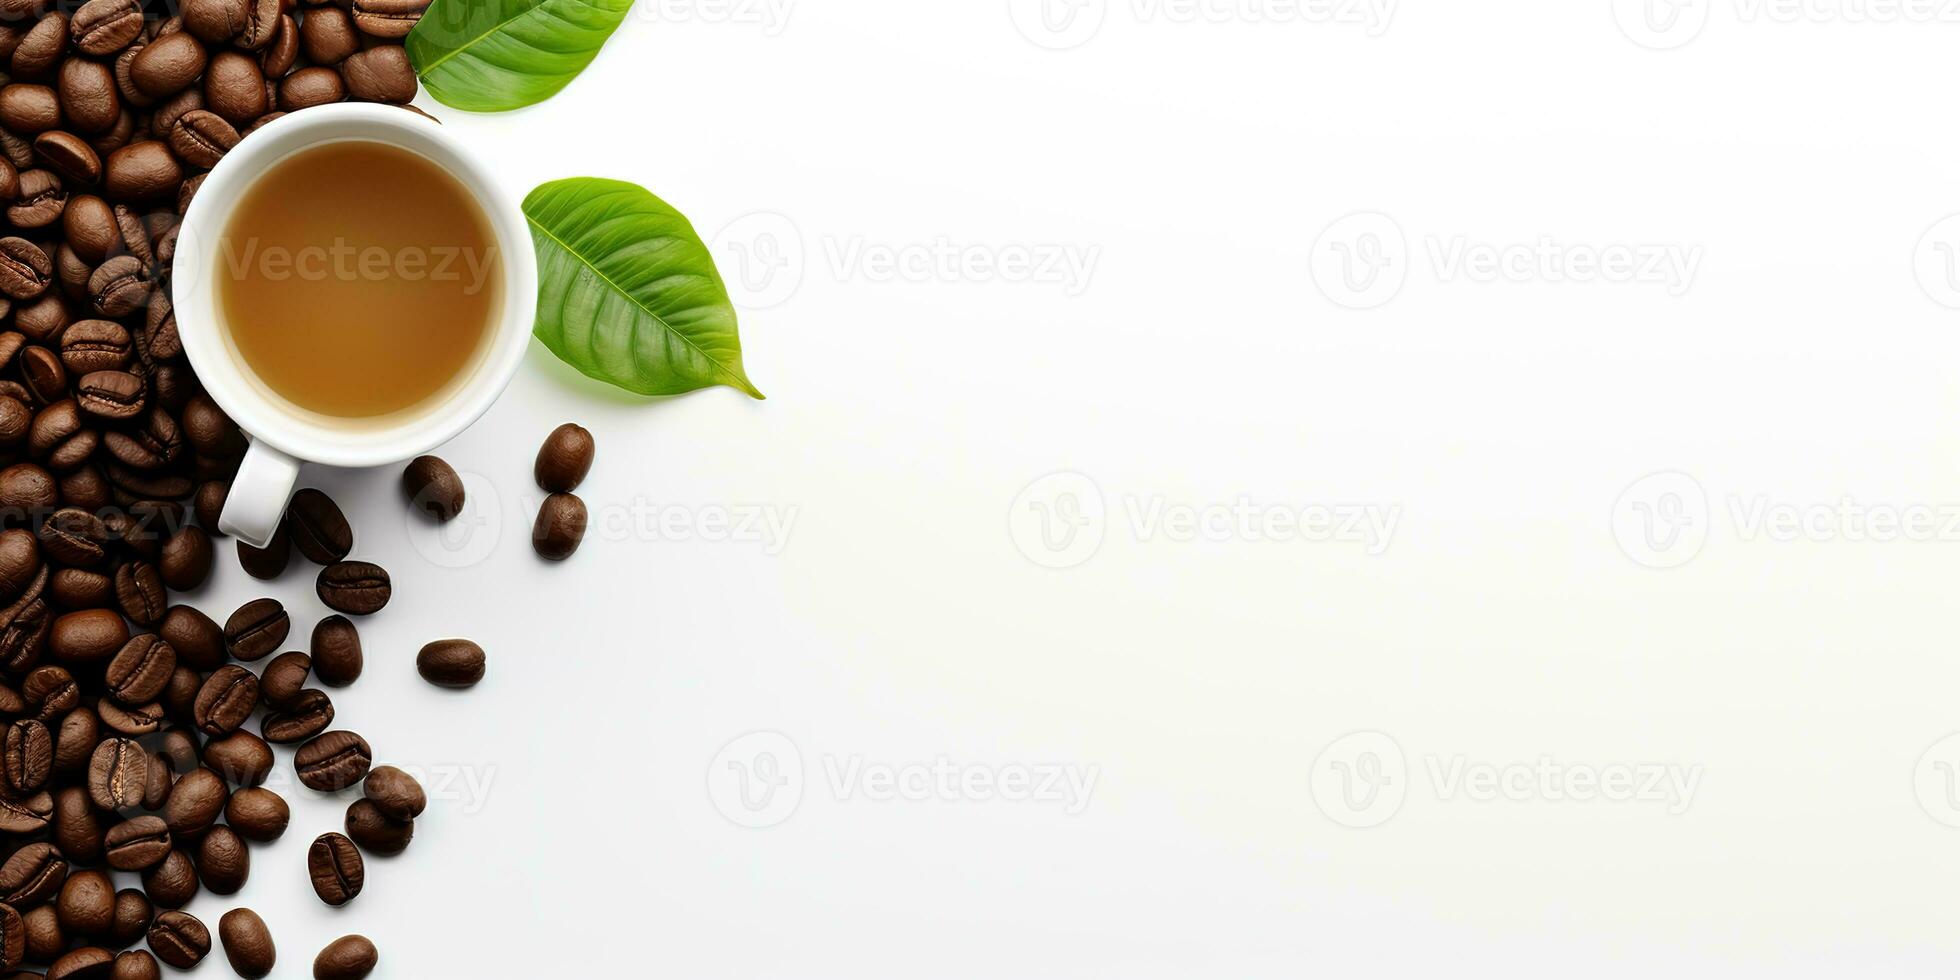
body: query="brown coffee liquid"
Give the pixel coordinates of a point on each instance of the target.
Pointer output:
(358, 279)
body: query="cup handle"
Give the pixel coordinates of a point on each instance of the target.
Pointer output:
(259, 493)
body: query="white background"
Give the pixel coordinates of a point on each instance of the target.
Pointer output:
(1539, 598)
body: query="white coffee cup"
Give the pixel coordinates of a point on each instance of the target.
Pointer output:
(282, 434)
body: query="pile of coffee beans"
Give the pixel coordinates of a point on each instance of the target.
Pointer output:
(563, 461)
(125, 749)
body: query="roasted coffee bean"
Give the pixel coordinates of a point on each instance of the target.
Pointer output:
(118, 287)
(199, 643)
(388, 18)
(26, 757)
(156, 790)
(376, 832)
(76, 537)
(282, 680)
(135, 964)
(41, 320)
(235, 88)
(247, 942)
(37, 204)
(202, 138)
(20, 562)
(137, 720)
(24, 628)
(32, 875)
(209, 430)
(70, 272)
(186, 560)
(270, 561)
(560, 527)
(85, 963)
(87, 638)
(227, 699)
(143, 171)
(179, 939)
(433, 488)
(380, 74)
(564, 459)
(357, 588)
(41, 48)
(241, 757)
(24, 269)
(172, 883)
(449, 663)
(27, 815)
(50, 693)
(346, 958)
(179, 749)
(194, 803)
(70, 157)
(335, 760)
(103, 27)
(257, 813)
(395, 793)
(336, 868)
(88, 346)
(167, 65)
(278, 57)
(320, 531)
(77, 825)
(46, 379)
(75, 735)
(180, 695)
(27, 110)
(40, 934)
(81, 588)
(336, 647)
(152, 445)
(222, 861)
(118, 772)
(133, 915)
(209, 504)
(307, 88)
(257, 629)
(89, 103)
(141, 669)
(140, 593)
(215, 21)
(327, 35)
(111, 396)
(15, 420)
(165, 117)
(86, 904)
(59, 434)
(137, 843)
(90, 227)
(309, 714)
(85, 487)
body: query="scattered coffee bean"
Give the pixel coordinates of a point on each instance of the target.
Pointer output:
(227, 698)
(135, 964)
(395, 793)
(336, 649)
(346, 958)
(242, 758)
(357, 588)
(376, 832)
(433, 488)
(257, 814)
(564, 459)
(222, 861)
(247, 943)
(171, 885)
(84, 963)
(186, 560)
(336, 869)
(331, 761)
(257, 629)
(450, 663)
(179, 939)
(308, 715)
(283, 679)
(269, 562)
(195, 802)
(118, 773)
(560, 527)
(137, 843)
(86, 904)
(319, 530)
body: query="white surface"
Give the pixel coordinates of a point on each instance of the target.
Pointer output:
(1805, 364)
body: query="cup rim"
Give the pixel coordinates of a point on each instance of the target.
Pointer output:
(197, 315)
